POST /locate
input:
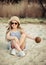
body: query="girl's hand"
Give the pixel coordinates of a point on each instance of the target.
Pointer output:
(16, 39)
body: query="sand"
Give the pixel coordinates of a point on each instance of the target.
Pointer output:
(35, 53)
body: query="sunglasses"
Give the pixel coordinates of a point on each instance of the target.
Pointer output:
(14, 23)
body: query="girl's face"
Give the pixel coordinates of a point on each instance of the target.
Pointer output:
(14, 24)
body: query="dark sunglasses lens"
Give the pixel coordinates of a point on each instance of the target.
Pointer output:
(15, 23)
(12, 23)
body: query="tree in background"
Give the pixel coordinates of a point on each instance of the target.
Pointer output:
(43, 7)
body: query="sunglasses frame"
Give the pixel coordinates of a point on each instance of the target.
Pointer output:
(13, 23)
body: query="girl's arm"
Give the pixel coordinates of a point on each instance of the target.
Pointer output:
(28, 36)
(8, 37)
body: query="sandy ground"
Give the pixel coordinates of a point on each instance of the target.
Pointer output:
(35, 53)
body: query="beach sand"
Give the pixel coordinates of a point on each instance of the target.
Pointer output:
(35, 53)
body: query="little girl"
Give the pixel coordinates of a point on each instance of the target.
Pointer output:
(16, 35)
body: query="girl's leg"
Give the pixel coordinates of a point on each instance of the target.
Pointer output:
(23, 46)
(14, 44)
(22, 41)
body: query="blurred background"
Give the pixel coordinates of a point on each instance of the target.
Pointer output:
(23, 8)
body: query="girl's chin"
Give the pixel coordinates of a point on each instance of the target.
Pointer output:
(15, 28)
